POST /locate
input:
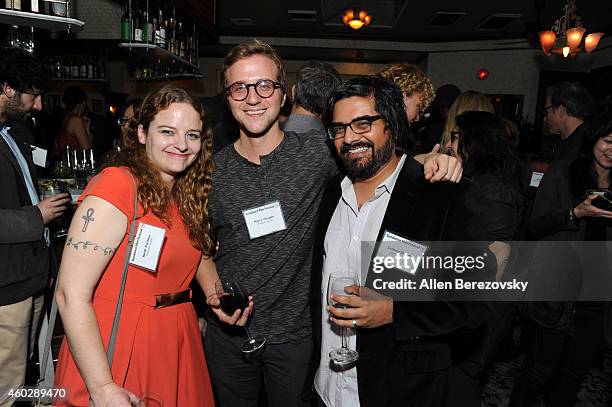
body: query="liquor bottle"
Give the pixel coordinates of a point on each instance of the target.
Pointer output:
(74, 69)
(181, 40)
(83, 68)
(161, 39)
(58, 69)
(35, 6)
(171, 32)
(147, 27)
(66, 66)
(126, 29)
(155, 31)
(90, 68)
(137, 24)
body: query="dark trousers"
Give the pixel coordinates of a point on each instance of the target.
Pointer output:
(237, 382)
(560, 359)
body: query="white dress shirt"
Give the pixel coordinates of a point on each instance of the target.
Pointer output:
(349, 227)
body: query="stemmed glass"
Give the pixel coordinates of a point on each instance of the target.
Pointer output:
(58, 226)
(337, 284)
(233, 297)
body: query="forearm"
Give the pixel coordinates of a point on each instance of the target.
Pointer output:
(83, 335)
(207, 276)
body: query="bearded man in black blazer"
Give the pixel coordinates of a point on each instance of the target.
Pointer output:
(404, 347)
(24, 249)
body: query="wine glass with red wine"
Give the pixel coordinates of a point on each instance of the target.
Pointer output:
(232, 298)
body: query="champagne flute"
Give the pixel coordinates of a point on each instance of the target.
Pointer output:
(337, 284)
(232, 297)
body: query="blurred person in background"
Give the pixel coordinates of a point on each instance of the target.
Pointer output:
(314, 82)
(467, 101)
(75, 127)
(131, 109)
(418, 94)
(567, 108)
(491, 164)
(564, 337)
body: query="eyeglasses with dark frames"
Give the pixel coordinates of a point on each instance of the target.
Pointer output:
(239, 91)
(122, 120)
(359, 125)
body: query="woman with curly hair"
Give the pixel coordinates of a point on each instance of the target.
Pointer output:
(415, 85)
(167, 162)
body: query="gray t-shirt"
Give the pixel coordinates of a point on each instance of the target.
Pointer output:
(301, 123)
(274, 268)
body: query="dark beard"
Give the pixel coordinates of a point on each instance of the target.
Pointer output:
(13, 109)
(379, 158)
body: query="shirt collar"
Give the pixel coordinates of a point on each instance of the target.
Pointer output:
(348, 193)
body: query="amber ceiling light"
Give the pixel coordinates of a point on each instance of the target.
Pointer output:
(356, 18)
(566, 34)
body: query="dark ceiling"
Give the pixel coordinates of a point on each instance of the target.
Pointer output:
(403, 20)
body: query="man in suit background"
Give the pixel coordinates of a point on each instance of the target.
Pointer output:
(404, 347)
(24, 244)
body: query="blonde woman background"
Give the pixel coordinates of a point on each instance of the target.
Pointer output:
(468, 101)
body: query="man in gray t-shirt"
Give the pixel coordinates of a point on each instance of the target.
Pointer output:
(266, 191)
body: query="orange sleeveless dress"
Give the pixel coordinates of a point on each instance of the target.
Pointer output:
(157, 351)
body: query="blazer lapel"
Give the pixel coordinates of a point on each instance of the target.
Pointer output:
(406, 191)
(8, 153)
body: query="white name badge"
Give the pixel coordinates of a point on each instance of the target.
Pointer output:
(39, 156)
(264, 220)
(147, 247)
(536, 177)
(399, 253)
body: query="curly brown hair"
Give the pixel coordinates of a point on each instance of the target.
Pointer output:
(191, 188)
(411, 79)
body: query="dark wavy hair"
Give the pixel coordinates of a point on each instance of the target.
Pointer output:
(484, 146)
(22, 71)
(73, 95)
(582, 173)
(314, 82)
(191, 188)
(573, 96)
(388, 102)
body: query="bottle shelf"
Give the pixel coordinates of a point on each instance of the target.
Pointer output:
(37, 20)
(153, 50)
(169, 77)
(78, 80)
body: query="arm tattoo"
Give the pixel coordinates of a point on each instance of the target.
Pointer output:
(88, 217)
(106, 251)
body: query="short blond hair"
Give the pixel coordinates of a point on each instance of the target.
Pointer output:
(468, 101)
(247, 49)
(411, 79)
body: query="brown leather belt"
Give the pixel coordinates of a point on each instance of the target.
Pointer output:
(167, 300)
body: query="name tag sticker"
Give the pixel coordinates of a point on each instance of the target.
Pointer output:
(147, 247)
(39, 156)
(536, 177)
(264, 220)
(400, 253)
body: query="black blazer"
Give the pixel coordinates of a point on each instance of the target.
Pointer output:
(398, 362)
(24, 255)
